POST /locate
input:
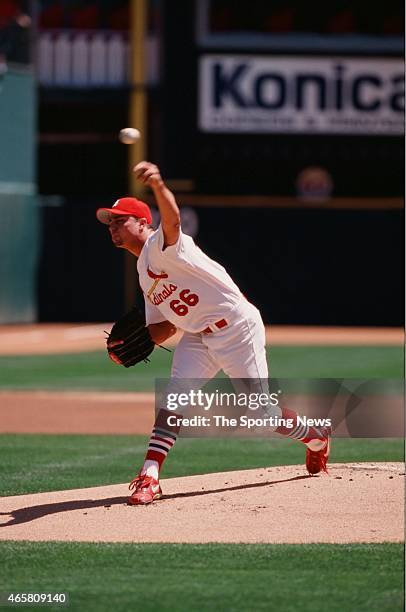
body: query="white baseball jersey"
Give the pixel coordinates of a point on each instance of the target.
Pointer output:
(181, 284)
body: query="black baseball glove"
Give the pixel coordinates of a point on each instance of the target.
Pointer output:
(129, 340)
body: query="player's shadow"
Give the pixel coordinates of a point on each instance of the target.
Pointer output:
(31, 513)
(252, 485)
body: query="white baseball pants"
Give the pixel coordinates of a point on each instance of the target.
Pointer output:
(238, 349)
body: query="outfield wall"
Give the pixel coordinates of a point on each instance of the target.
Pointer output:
(300, 267)
(19, 226)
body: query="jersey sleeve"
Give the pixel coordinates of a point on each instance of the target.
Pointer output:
(152, 313)
(180, 250)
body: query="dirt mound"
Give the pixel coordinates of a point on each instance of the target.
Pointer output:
(357, 503)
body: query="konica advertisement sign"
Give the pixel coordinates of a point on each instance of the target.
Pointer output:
(313, 95)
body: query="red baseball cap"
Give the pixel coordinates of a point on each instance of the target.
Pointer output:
(125, 206)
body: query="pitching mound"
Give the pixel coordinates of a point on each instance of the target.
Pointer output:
(357, 503)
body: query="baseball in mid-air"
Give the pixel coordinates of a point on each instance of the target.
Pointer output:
(129, 135)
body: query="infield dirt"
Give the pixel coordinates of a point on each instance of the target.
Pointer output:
(49, 338)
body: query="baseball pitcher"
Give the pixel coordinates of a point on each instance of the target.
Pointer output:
(185, 289)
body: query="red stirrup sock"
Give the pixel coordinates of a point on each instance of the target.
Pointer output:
(314, 437)
(162, 439)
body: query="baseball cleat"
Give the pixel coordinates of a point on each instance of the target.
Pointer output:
(316, 460)
(146, 490)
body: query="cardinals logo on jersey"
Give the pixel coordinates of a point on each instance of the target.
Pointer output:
(157, 278)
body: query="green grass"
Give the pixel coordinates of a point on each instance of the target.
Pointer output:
(94, 371)
(35, 463)
(223, 577)
(286, 578)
